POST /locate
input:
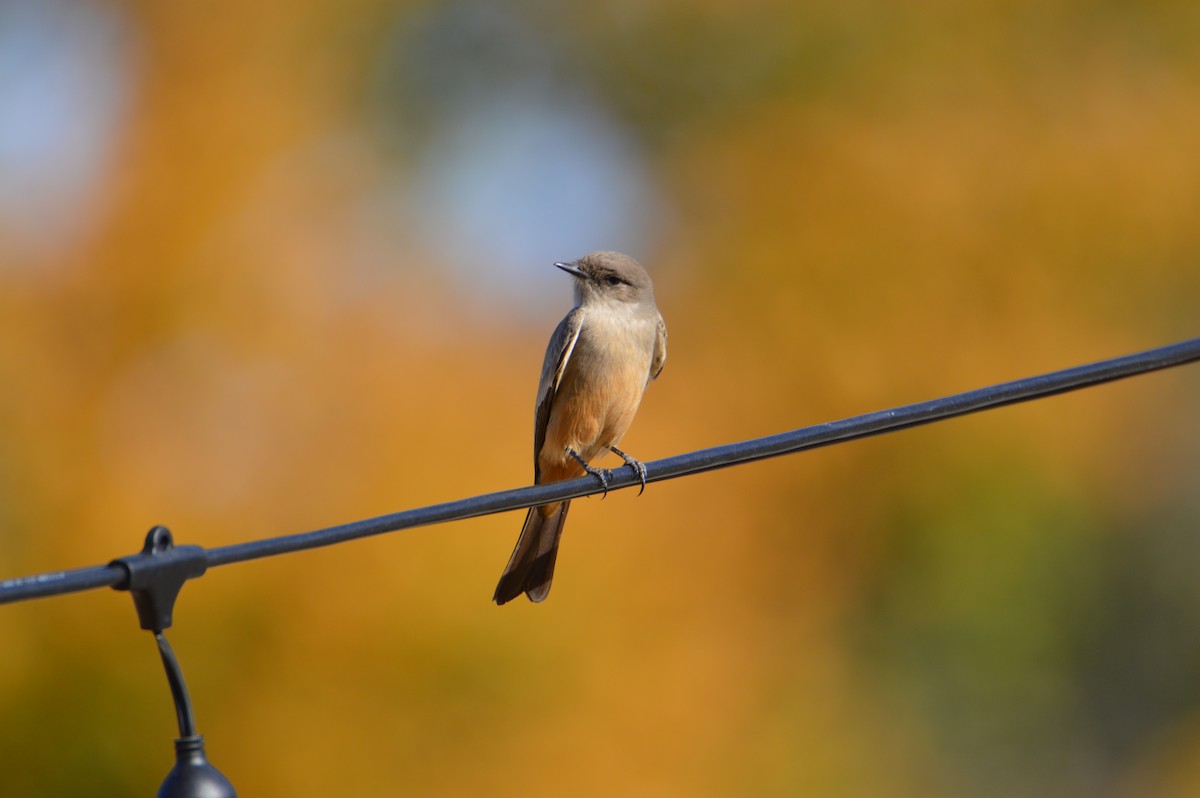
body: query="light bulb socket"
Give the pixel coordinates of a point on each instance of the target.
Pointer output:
(193, 776)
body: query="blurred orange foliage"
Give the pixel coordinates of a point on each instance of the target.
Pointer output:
(865, 206)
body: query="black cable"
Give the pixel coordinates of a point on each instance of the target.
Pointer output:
(57, 583)
(680, 465)
(179, 693)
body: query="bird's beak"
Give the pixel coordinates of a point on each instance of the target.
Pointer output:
(572, 269)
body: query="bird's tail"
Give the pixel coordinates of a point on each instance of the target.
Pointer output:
(531, 566)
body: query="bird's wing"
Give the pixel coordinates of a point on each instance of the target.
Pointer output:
(660, 350)
(558, 353)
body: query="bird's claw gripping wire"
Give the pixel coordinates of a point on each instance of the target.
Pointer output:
(638, 466)
(601, 475)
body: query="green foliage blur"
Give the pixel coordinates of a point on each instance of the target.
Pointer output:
(244, 333)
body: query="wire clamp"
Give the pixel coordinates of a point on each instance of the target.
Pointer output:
(156, 575)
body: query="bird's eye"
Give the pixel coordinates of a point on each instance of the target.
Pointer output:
(612, 279)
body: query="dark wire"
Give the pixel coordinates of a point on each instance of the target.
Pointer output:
(669, 468)
(183, 704)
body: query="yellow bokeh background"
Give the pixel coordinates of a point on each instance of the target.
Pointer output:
(858, 205)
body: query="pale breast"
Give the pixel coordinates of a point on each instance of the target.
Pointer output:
(601, 387)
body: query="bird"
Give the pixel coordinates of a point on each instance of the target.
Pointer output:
(599, 362)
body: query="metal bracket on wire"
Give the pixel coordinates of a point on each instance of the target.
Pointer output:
(156, 575)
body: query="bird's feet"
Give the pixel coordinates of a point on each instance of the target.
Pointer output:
(601, 475)
(638, 466)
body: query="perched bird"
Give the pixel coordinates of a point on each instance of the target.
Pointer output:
(598, 364)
